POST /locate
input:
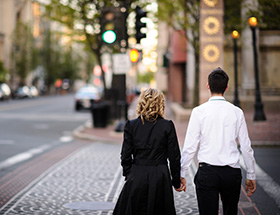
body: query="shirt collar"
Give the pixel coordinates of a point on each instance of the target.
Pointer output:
(217, 98)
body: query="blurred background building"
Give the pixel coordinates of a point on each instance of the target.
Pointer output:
(178, 67)
(37, 50)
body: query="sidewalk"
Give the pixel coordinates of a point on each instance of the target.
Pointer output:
(88, 181)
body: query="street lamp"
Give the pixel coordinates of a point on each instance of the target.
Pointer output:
(259, 114)
(235, 36)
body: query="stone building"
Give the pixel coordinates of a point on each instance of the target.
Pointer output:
(11, 13)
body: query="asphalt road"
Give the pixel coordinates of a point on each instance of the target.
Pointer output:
(29, 127)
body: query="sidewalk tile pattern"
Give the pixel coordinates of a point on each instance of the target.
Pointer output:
(92, 174)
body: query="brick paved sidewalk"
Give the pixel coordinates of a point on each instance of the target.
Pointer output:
(89, 181)
(86, 182)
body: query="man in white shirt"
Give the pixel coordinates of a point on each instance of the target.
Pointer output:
(215, 127)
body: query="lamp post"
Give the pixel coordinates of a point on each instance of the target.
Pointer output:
(259, 114)
(235, 36)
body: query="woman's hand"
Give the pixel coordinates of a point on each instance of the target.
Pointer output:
(183, 185)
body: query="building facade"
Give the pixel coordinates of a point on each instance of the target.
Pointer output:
(268, 46)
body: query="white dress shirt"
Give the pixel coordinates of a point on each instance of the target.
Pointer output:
(216, 127)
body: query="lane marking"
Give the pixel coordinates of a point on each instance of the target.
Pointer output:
(23, 156)
(266, 182)
(65, 139)
(30, 153)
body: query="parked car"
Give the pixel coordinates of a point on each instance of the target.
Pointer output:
(22, 92)
(33, 91)
(5, 92)
(86, 96)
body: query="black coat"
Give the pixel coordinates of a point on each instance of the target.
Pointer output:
(145, 150)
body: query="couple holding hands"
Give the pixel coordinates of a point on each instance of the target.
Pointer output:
(213, 131)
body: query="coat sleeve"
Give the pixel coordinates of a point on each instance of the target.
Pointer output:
(127, 149)
(174, 156)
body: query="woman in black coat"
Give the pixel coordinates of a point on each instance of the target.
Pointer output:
(149, 141)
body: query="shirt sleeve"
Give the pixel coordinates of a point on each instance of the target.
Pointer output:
(246, 149)
(127, 149)
(191, 142)
(174, 156)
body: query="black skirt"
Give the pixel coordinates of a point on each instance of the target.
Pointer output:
(147, 191)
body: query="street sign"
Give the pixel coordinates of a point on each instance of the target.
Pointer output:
(121, 63)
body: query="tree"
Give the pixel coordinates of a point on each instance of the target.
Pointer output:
(50, 59)
(184, 15)
(82, 19)
(24, 51)
(268, 14)
(3, 72)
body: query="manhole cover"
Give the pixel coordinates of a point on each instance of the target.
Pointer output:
(246, 204)
(94, 206)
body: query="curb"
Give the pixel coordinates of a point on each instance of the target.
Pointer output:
(78, 133)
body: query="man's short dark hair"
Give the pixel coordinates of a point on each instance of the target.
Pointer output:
(218, 81)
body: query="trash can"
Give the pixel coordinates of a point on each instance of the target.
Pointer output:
(100, 114)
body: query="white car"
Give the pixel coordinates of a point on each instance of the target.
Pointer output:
(86, 96)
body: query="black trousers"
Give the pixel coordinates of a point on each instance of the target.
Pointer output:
(212, 181)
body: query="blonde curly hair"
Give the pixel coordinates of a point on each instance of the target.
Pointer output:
(151, 104)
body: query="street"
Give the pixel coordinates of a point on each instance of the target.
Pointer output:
(45, 170)
(39, 124)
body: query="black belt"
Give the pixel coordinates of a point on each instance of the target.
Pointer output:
(146, 162)
(207, 164)
(204, 164)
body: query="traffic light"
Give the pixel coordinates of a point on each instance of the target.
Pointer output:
(108, 25)
(134, 55)
(113, 26)
(139, 24)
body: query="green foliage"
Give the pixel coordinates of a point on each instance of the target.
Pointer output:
(147, 77)
(69, 66)
(24, 51)
(59, 61)
(232, 16)
(184, 15)
(267, 13)
(181, 15)
(3, 72)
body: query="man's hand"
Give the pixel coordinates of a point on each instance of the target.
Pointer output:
(183, 185)
(251, 186)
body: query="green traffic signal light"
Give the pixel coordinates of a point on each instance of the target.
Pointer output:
(109, 36)
(113, 27)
